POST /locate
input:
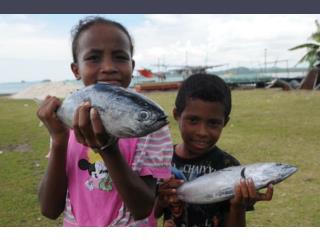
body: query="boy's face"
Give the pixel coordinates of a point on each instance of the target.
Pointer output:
(200, 125)
(103, 54)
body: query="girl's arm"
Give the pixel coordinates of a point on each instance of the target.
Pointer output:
(137, 193)
(53, 186)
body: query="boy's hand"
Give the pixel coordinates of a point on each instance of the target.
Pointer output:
(168, 192)
(247, 195)
(47, 114)
(88, 127)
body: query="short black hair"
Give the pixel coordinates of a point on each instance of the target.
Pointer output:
(86, 23)
(206, 87)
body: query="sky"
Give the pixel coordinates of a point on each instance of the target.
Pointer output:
(38, 47)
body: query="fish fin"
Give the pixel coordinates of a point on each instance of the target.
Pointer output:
(242, 173)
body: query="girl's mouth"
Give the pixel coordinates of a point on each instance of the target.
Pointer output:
(112, 82)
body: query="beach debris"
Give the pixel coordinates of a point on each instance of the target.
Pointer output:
(219, 185)
(124, 113)
(310, 82)
(36, 164)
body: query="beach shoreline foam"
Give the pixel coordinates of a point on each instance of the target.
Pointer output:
(59, 89)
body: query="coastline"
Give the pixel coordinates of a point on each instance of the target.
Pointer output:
(59, 89)
(6, 94)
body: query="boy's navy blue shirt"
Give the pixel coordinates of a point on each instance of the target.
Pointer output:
(202, 215)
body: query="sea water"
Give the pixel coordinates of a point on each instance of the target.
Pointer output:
(14, 87)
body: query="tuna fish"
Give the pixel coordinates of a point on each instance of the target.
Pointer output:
(218, 186)
(124, 113)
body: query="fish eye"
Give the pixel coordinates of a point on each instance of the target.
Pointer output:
(143, 115)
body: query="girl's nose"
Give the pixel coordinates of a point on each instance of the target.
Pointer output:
(108, 66)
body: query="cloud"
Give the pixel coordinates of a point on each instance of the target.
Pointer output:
(26, 38)
(195, 39)
(234, 39)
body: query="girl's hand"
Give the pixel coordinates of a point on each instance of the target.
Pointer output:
(168, 192)
(247, 195)
(47, 114)
(88, 128)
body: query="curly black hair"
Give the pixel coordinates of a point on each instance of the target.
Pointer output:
(206, 87)
(86, 23)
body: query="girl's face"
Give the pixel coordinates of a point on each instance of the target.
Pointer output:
(103, 54)
(200, 125)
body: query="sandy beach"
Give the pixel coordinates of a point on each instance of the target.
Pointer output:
(41, 90)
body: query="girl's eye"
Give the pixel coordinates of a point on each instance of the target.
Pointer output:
(122, 57)
(92, 58)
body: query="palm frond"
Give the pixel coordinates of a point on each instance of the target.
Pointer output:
(318, 25)
(310, 57)
(306, 45)
(313, 49)
(315, 36)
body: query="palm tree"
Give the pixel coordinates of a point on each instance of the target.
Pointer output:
(313, 48)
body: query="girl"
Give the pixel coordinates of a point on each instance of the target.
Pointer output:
(116, 186)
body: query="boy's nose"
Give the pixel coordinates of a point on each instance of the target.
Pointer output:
(202, 130)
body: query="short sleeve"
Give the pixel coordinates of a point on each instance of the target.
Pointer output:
(154, 154)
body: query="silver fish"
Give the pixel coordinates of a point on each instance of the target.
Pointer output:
(123, 113)
(219, 185)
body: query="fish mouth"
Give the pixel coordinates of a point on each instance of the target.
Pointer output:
(164, 119)
(288, 170)
(158, 123)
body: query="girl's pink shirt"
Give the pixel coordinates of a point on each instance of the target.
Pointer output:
(92, 198)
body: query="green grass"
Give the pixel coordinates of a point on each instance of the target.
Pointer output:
(265, 125)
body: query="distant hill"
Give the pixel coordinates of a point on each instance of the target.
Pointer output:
(245, 70)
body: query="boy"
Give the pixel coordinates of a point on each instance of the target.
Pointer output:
(202, 109)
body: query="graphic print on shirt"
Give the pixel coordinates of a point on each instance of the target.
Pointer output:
(98, 173)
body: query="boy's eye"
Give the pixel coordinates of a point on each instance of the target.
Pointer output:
(193, 120)
(214, 123)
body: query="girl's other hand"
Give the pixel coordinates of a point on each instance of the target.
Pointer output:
(47, 114)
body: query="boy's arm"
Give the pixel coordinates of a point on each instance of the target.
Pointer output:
(236, 217)
(245, 195)
(167, 195)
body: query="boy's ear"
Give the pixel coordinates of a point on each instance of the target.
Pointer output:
(75, 70)
(226, 121)
(175, 114)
